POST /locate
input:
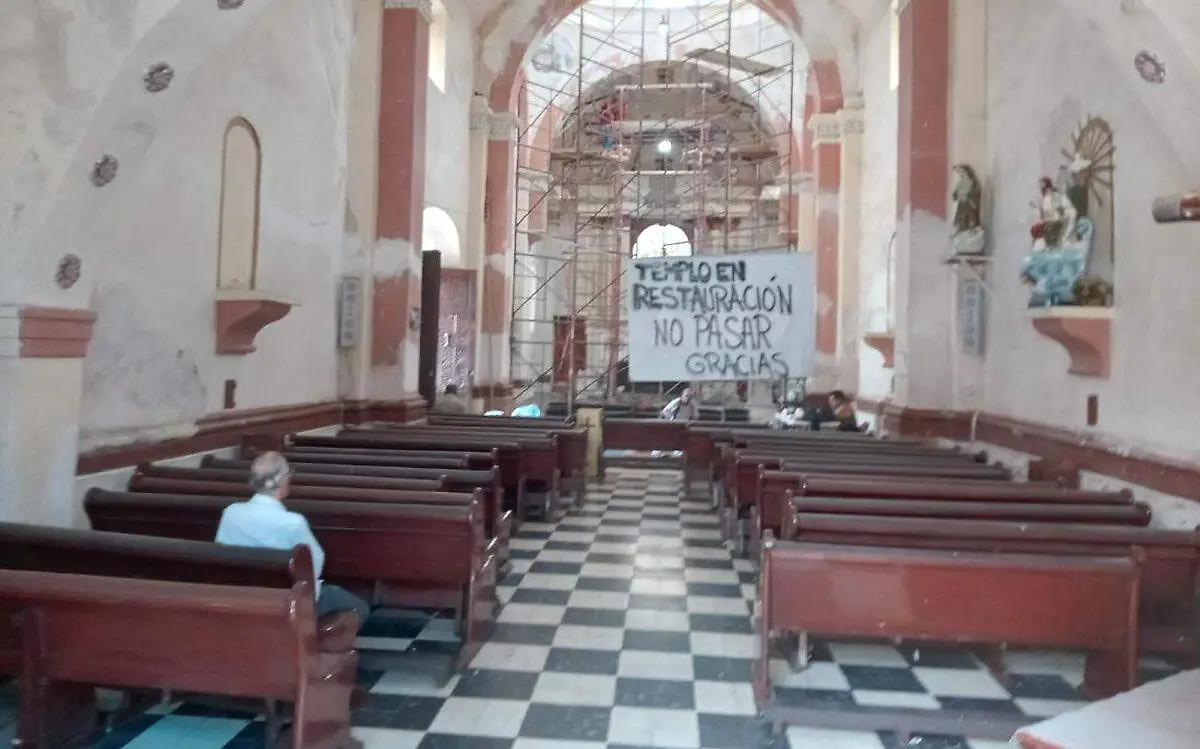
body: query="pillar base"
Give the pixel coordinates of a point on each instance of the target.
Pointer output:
(1085, 332)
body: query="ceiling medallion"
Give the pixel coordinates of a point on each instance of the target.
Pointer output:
(1150, 67)
(68, 271)
(158, 77)
(104, 170)
(229, 4)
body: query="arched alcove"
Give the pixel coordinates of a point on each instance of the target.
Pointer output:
(662, 240)
(440, 233)
(241, 176)
(437, 45)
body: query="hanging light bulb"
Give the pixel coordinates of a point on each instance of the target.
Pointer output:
(665, 146)
(664, 27)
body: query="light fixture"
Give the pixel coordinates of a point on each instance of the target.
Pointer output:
(665, 146)
(664, 27)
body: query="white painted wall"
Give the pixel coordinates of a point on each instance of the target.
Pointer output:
(880, 138)
(1070, 66)
(447, 138)
(152, 368)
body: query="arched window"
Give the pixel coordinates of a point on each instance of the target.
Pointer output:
(662, 240)
(440, 233)
(237, 261)
(437, 45)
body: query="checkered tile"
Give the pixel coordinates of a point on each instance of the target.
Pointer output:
(628, 624)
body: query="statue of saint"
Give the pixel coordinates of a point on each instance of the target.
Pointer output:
(1054, 217)
(968, 199)
(969, 236)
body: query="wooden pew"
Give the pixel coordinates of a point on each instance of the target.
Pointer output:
(574, 439)
(568, 447)
(740, 485)
(1168, 616)
(519, 461)
(39, 548)
(1081, 603)
(334, 488)
(499, 523)
(1134, 514)
(73, 630)
(769, 501)
(398, 554)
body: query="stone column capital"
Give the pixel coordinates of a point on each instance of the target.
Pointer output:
(826, 129)
(424, 7)
(503, 126)
(481, 113)
(850, 121)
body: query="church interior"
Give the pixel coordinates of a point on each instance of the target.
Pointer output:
(393, 242)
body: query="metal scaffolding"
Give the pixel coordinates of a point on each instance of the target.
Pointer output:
(688, 127)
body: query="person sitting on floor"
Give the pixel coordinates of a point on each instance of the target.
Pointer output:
(263, 522)
(450, 403)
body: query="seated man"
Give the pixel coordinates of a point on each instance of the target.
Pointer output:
(450, 403)
(263, 522)
(683, 408)
(843, 412)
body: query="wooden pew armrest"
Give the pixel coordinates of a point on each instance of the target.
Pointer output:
(336, 632)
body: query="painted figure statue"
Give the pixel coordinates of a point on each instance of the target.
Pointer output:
(969, 237)
(1062, 238)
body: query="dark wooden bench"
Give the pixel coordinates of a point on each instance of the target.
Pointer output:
(394, 554)
(1071, 602)
(72, 631)
(154, 479)
(520, 460)
(1135, 514)
(767, 505)
(1168, 614)
(568, 446)
(499, 522)
(573, 440)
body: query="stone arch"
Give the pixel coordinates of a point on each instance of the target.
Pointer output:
(241, 197)
(663, 240)
(835, 44)
(439, 232)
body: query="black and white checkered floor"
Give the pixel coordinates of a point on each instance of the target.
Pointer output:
(627, 624)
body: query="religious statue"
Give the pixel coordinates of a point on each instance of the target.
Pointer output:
(1054, 216)
(1062, 239)
(969, 237)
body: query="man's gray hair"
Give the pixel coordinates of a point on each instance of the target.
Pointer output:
(268, 471)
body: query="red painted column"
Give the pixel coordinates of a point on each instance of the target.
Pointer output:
(827, 174)
(404, 67)
(924, 287)
(494, 362)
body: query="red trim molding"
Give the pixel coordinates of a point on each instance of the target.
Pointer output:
(53, 333)
(226, 429)
(1061, 451)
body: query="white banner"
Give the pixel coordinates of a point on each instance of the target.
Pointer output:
(734, 317)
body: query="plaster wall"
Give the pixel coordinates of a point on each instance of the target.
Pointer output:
(447, 136)
(878, 215)
(1036, 99)
(150, 239)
